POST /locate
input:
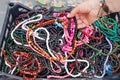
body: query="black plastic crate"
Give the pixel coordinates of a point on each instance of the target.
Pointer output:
(13, 11)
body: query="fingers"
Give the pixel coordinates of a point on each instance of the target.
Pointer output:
(82, 25)
(85, 21)
(81, 8)
(73, 12)
(81, 21)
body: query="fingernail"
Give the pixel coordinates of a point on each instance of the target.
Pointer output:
(68, 15)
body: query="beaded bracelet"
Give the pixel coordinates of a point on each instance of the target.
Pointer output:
(85, 37)
(57, 49)
(104, 71)
(104, 6)
(109, 28)
(24, 72)
(72, 60)
(24, 22)
(90, 36)
(34, 46)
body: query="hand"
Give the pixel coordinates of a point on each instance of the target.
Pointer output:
(86, 12)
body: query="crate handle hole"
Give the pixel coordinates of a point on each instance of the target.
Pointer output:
(11, 4)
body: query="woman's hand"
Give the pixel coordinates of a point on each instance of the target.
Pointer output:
(86, 12)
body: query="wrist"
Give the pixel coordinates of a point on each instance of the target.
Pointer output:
(100, 7)
(113, 5)
(108, 6)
